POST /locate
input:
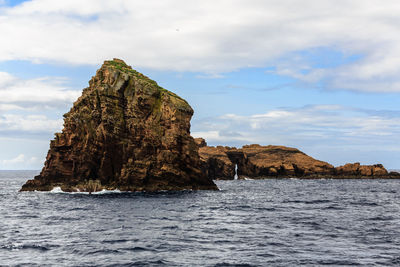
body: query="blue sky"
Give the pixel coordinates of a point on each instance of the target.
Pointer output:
(323, 76)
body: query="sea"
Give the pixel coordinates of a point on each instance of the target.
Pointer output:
(274, 222)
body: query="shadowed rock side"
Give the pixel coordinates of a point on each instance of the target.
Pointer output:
(255, 161)
(125, 132)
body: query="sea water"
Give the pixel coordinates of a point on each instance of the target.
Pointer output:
(278, 222)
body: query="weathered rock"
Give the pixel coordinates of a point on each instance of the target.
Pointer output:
(260, 161)
(216, 163)
(201, 142)
(257, 161)
(355, 169)
(394, 174)
(282, 161)
(124, 132)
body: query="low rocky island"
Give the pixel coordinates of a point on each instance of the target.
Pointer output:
(256, 161)
(125, 132)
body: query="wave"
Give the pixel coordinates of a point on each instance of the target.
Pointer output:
(13, 247)
(58, 190)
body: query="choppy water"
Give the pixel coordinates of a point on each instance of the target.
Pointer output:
(252, 223)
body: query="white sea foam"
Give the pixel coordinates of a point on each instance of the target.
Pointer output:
(104, 191)
(235, 177)
(56, 189)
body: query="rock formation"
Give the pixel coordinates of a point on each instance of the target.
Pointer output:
(216, 163)
(355, 169)
(125, 132)
(255, 161)
(259, 161)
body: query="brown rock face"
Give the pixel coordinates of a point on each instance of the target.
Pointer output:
(200, 142)
(260, 161)
(282, 161)
(257, 161)
(355, 169)
(124, 132)
(215, 162)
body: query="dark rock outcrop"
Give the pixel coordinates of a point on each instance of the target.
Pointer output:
(215, 161)
(125, 132)
(255, 161)
(355, 169)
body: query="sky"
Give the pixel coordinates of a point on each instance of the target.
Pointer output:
(321, 76)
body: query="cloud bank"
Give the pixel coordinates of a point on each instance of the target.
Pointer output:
(45, 92)
(28, 124)
(20, 162)
(214, 36)
(26, 105)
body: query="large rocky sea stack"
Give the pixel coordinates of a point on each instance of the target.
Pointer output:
(125, 132)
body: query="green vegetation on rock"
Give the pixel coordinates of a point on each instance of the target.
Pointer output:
(122, 66)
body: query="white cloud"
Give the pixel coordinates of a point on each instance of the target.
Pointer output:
(25, 104)
(212, 36)
(34, 161)
(310, 126)
(21, 162)
(19, 159)
(29, 124)
(17, 94)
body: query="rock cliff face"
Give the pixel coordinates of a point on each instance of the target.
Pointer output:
(124, 132)
(255, 161)
(259, 161)
(216, 163)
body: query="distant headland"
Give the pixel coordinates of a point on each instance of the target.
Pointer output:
(256, 162)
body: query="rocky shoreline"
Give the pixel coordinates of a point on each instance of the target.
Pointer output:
(263, 162)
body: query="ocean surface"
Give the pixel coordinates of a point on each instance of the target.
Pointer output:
(280, 222)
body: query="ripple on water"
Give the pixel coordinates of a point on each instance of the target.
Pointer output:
(15, 247)
(247, 223)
